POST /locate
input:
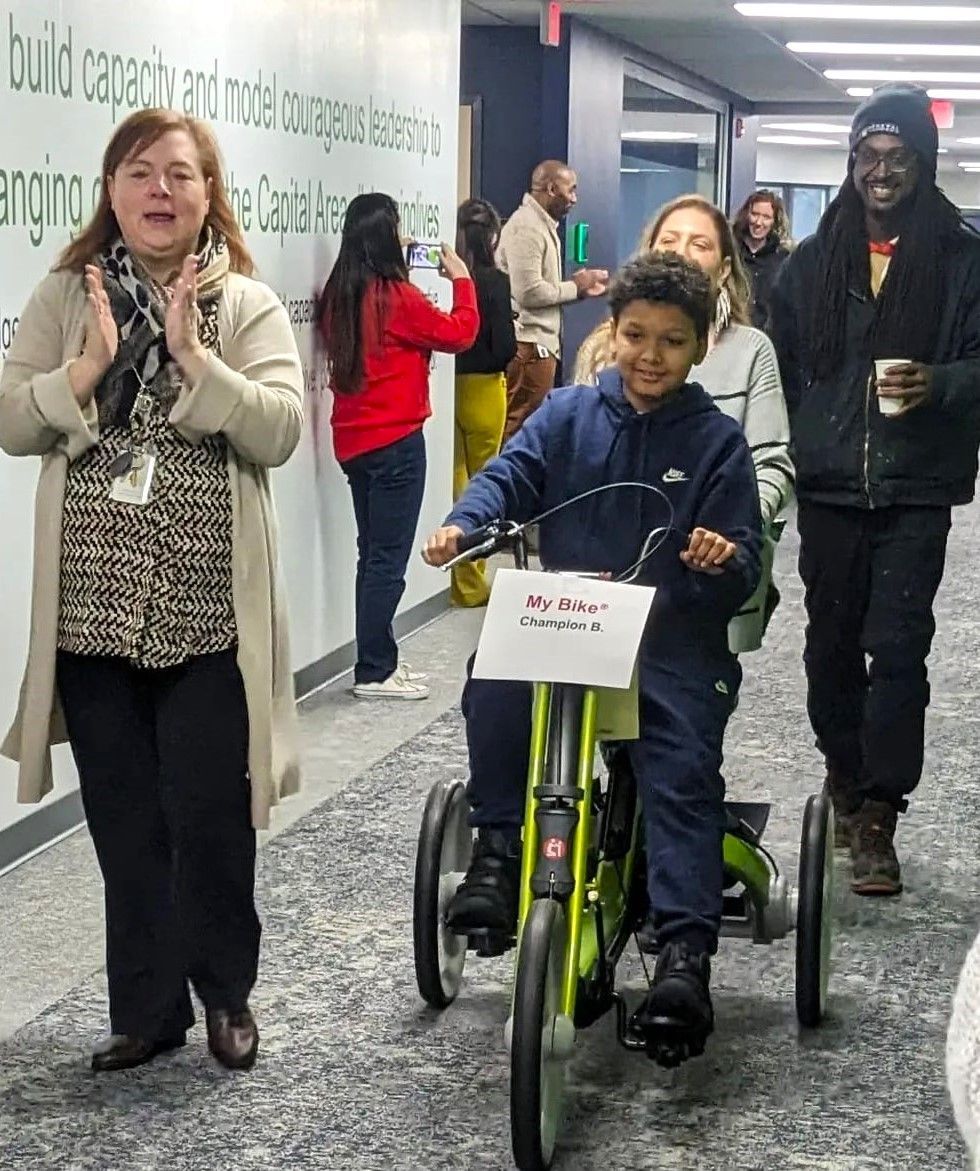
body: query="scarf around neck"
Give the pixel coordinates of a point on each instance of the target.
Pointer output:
(139, 309)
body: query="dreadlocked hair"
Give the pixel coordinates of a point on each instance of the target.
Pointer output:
(907, 309)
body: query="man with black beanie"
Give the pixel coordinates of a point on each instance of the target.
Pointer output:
(876, 320)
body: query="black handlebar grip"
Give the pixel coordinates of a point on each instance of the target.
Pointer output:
(470, 541)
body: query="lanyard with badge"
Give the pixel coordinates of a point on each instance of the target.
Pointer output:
(132, 469)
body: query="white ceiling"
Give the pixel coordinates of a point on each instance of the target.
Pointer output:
(745, 56)
(749, 58)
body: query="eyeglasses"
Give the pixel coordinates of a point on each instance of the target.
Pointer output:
(897, 162)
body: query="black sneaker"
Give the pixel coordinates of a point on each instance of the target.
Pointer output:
(487, 898)
(676, 1018)
(876, 867)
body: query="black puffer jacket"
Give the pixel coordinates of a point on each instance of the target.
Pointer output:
(763, 268)
(847, 452)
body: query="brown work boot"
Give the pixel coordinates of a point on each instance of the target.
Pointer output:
(841, 789)
(876, 868)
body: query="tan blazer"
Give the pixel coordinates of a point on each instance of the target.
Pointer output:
(253, 396)
(530, 253)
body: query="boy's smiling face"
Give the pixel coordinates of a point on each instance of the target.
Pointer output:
(655, 345)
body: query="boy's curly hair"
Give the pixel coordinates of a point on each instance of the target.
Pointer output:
(664, 278)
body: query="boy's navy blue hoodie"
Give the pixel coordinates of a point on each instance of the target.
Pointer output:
(583, 437)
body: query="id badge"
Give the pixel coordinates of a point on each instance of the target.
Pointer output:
(543, 352)
(134, 486)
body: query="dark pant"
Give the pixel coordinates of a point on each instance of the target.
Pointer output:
(162, 758)
(871, 577)
(677, 764)
(387, 487)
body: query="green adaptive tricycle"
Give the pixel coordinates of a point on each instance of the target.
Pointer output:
(583, 889)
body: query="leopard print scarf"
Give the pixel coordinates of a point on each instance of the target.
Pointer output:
(139, 308)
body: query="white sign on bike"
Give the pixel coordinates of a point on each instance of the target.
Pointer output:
(548, 628)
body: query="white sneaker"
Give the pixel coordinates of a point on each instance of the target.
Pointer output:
(396, 686)
(407, 671)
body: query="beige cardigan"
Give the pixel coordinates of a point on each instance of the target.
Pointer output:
(530, 253)
(253, 396)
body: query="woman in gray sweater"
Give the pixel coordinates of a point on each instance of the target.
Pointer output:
(740, 371)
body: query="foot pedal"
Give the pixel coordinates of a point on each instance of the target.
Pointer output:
(669, 1041)
(489, 943)
(625, 1033)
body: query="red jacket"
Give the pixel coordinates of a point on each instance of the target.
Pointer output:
(394, 397)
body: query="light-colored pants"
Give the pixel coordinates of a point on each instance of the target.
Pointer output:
(481, 408)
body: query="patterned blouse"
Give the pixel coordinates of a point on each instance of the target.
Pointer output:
(151, 583)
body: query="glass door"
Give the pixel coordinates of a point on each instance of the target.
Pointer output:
(671, 145)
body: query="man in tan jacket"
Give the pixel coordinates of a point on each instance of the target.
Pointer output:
(530, 254)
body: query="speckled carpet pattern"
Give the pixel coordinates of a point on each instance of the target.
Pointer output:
(354, 1072)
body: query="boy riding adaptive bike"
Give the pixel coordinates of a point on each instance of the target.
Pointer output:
(644, 424)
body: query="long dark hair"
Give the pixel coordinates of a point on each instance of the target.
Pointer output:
(369, 251)
(477, 233)
(908, 307)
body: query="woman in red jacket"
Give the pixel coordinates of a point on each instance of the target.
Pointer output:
(379, 332)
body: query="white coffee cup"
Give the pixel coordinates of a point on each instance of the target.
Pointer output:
(889, 406)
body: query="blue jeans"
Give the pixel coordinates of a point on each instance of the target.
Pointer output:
(387, 487)
(677, 763)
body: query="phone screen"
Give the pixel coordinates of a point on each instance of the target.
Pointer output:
(424, 255)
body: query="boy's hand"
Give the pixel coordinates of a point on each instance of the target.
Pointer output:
(708, 552)
(441, 546)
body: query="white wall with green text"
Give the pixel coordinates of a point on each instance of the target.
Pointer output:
(313, 101)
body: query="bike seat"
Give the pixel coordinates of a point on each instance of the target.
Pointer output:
(747, 819)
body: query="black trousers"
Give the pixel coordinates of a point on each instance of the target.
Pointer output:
(871, 578)
(162, 759)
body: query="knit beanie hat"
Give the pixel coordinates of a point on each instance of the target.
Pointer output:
(903, 110)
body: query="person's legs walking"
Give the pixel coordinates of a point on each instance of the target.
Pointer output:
(202, 735)
(481, 409)
(835, 565)
(109, 713)
(909, 553)
(392, 480)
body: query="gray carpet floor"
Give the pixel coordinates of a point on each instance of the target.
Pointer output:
(355, 1072)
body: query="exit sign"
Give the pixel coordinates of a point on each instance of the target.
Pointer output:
(943, 114)
(551, 23)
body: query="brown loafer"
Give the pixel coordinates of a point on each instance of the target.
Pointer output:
(233, 1037)
(124, 1052)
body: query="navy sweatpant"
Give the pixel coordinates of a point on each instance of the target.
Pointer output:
(677, 764)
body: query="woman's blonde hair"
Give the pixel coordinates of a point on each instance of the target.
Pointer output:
(737, 282)
(595, 353)
(140, 130)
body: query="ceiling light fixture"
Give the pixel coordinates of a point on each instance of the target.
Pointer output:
(934, 76)
(808, 127)
(860, 49)
(797, 140)
(658, 136)
(969, 141)
(893, 13)
(969, 164)
(943, 95)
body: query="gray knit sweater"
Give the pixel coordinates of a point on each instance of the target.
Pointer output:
(742, 376)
